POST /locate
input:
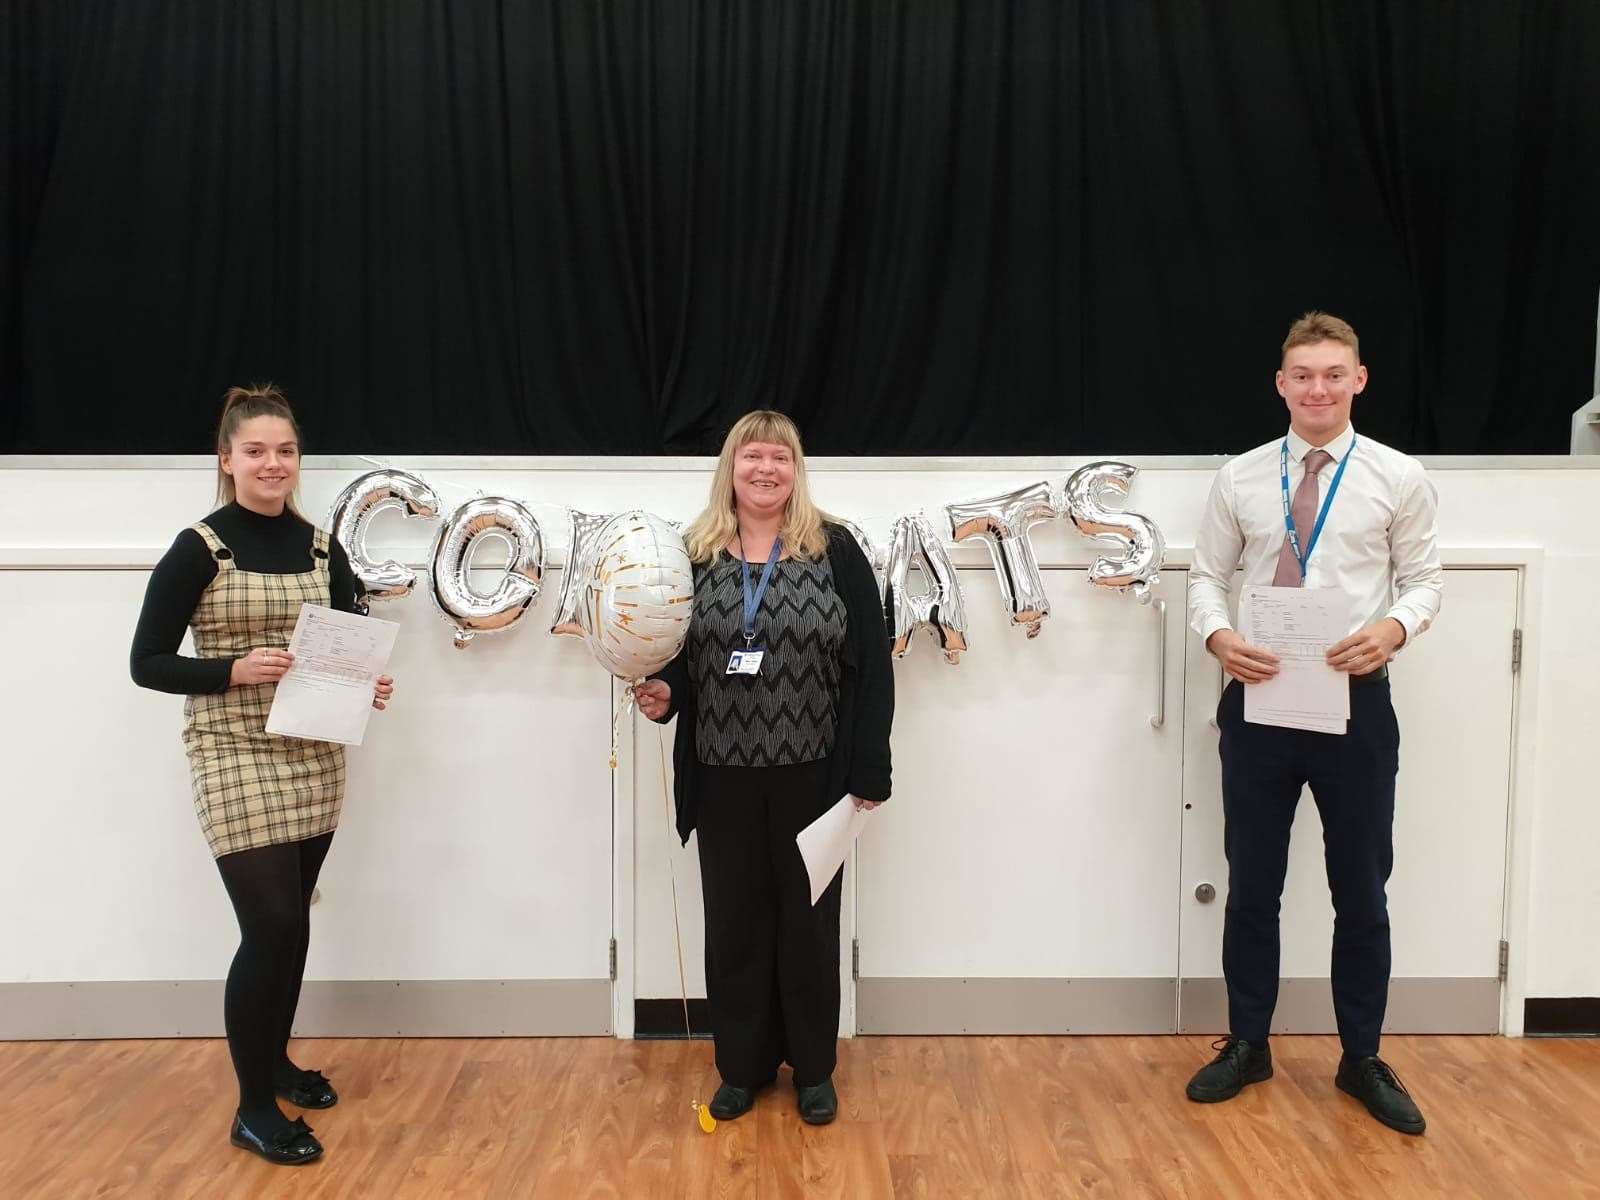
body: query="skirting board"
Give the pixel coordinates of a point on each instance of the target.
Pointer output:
(1306, 1006)
(1015, 1006)
(582, 1007)
(328, 1008)
(1118, 1006)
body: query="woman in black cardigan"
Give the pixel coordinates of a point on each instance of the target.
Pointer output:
(786, 697)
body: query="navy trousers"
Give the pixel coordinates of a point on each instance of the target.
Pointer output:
(1352, 779)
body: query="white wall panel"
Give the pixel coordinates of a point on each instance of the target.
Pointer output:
(478, 819)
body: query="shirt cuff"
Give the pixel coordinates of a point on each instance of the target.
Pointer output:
(1211, 624)
(1408, 622)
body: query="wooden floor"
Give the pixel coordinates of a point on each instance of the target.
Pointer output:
(976, 1116)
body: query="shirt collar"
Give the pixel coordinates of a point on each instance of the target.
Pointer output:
(1339, 447)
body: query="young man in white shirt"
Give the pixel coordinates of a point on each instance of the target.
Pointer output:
(1319, 508)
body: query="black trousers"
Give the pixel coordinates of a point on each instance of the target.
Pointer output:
(1352, 779)
(772, 959)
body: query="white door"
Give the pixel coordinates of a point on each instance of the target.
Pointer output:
(475, 843)
(1020, 879)
(1453, 697)
(100, 815)
(668, 937)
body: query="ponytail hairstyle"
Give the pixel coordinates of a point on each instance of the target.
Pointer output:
(239, 404)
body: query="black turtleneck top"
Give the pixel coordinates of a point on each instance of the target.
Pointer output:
(278, 545)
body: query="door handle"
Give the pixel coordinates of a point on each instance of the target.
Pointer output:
(1160, 719)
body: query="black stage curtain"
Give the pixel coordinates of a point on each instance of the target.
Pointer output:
(611, 226)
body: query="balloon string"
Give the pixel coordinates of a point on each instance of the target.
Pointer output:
(464, 489)
(388, 466)
(672, 873)
(616, 722)
(949, 544)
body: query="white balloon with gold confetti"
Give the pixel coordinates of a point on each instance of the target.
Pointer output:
(638, 597)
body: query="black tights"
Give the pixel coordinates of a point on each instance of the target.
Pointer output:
(271, 892)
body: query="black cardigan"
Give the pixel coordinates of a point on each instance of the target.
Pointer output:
(859, 764)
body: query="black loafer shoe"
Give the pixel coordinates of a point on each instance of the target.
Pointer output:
(819, 1103)
(293, 1147)
(1373, 1082)
(732, 1102)
(310, 1089)
(1237, 1063)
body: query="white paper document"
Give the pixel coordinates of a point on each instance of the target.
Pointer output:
(1298, 625)
(826, 841)
(327, 695)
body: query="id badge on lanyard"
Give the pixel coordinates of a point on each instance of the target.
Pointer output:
(747, 660)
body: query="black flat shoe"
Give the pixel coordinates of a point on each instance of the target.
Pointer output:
(293, 1147)
(732, 1102)
(1237, 1064)
(1373, 1082)
(310, 1089)
(819, 1103)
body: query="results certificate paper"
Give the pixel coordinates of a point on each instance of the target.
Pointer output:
(826, 841)
(1298, 625)
(327, 695)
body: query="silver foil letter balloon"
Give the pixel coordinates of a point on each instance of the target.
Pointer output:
(638, 596)
(939, 609)
(469, 611)
(1003, 522)
(353, 512)
(582, 531)
(1144, 550)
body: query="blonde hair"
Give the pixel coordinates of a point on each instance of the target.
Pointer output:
(240, 404)
(802, 529)
(1316, 327)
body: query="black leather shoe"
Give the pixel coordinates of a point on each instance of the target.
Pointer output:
(1373, 1082)
(1237, 1063)
(310, 1089)
(732, 1102)
(819, 1103)
(293, 1147)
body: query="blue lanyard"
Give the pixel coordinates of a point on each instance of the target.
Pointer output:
(752, 601)
(1288, 517)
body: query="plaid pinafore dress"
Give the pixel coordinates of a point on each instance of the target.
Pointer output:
(252, 788)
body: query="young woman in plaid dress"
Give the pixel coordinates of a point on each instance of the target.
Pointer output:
(268, 806)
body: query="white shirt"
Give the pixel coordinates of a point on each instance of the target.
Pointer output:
(1381, 535)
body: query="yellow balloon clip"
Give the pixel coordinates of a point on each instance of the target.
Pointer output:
(708, 1123)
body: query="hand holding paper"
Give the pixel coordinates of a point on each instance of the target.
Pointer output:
(328, 694)
(826, 841)
(1298, 625)
(1368, 648)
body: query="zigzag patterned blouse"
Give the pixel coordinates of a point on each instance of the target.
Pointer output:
(787, 713)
